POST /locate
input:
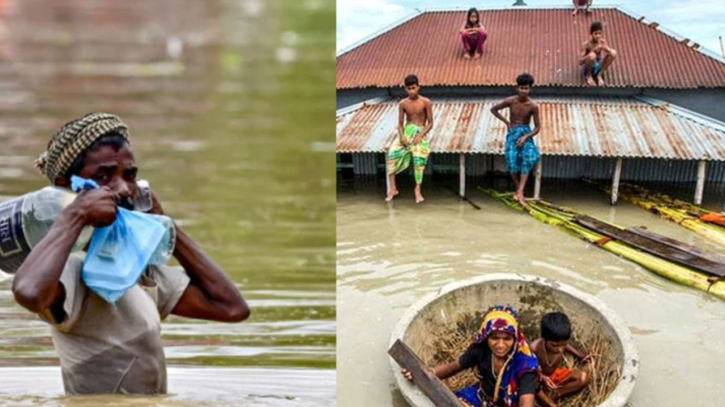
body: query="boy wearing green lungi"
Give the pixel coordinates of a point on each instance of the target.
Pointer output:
(415, 119)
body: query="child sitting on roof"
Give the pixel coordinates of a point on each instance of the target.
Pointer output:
(473, 35)
(557, 381)
(581, 5)
(597, 57)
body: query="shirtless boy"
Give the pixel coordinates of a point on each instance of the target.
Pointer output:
(521, 151)
(597, 55)
(415, 119)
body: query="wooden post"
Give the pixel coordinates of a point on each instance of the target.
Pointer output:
(462, 175)
(387, 176)
(700, 182)
(537, 184)
(615, 181)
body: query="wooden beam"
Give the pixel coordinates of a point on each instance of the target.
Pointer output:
(462, 175)
(537, 184)
(700, 187)
(674, 253)
(615, 181)
(423, 376)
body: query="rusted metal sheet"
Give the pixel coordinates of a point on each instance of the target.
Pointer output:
(543, 42)
(571, 126)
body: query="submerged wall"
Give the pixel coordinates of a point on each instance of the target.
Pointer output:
(633, 169)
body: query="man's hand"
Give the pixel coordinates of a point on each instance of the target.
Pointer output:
(97, 207)
(404, 141)
(520, 142)
(418, 139)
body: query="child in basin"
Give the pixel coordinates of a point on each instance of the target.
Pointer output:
(557, 380)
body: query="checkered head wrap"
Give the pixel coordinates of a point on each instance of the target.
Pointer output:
(73, 138)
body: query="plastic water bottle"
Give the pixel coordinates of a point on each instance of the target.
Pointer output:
(143, 201)
(24, 222)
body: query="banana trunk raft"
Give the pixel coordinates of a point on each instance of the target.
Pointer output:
(666, 257)
(708, 224)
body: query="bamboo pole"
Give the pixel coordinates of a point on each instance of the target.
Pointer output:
(387, 180)
(700, 182)
(615, 181)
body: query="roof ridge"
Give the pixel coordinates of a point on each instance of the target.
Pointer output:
(639, 17)
(494, 8)
(378, 33)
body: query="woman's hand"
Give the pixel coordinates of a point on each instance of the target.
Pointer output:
(406, 373)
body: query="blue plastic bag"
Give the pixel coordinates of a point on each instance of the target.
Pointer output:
(118, 254)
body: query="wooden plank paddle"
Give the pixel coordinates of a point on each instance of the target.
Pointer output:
(643, 242)
(423, 377)
(713, 257)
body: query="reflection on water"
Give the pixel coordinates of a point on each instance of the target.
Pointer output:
(228, 103)
(188, 387)
(388, 256)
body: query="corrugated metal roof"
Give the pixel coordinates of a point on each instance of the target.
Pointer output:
(571, 126)
(543, 42)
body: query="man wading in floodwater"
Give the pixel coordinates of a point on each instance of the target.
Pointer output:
(105, 348)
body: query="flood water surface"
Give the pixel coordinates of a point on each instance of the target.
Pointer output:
(390, 255)
(231, 128)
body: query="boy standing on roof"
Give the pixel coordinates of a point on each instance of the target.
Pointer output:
(521, 151)
(411, 142)
(597, 55)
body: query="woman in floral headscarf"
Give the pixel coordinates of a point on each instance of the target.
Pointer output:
(506, 368)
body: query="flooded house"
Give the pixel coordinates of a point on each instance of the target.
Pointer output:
(660, 117)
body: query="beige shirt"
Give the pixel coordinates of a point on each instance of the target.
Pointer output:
(115, 349)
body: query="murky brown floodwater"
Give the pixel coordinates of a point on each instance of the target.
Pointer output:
(388, 256)
(229, 104)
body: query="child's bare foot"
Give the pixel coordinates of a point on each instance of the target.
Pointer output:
(466, 56)
(576, 10)
(600, 81)
(590, 81)
(418, 196)
(391, 195)
(520, 199)
(477, 55)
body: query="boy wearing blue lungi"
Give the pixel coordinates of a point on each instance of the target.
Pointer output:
(521, 151)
